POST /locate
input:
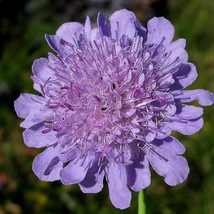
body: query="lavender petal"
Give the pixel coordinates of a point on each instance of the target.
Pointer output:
(34, 136)
(47, 166)
(173, 168)
(122, 23)
(119, 193)
(160, 30)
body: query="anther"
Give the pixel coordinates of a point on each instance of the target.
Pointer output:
(145, 147)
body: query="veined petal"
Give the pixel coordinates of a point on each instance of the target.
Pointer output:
(34, 137)
(58, 45)
(187, 127)
(122, 23)
(187, 120)
(172, 167)
(41, 69)
(171, 144)
(141, 31)
(88, 28)
(47, 165)
(75, 171)
(26, 104)
(179, 43)
(70, 31)
(119, 193)
(204, 98)
(54, 42)
(139, 176)
(95, 35)
(177, 56)
(160, 30)
(183, 111)
(93, 181)
(103, 24)
(164, 131)
(33, 108)
(166, 100)
(185, 76)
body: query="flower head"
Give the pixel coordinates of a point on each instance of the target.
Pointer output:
(110, 98)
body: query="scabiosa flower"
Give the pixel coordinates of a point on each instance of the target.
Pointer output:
(110, 98)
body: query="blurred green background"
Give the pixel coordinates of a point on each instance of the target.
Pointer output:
(23, 24)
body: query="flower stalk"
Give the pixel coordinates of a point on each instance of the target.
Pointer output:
(141, 203)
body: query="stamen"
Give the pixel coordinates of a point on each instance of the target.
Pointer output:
(145, 147)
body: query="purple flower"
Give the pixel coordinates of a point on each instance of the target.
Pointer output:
(110, 99)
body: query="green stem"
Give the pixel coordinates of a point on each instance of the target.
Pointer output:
(141, 203)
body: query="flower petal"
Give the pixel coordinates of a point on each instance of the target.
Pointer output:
(119, 193)
(93, 181)
(95, 35)
(141, 31)
(33, 137)
(174, 168)
(54, 42)
(160, 30)
(41, 69)
(47, 165)
(163, 132)
(122, 23)
(204, 98)
(185, 76)
(139, 176)
(88, 28)
(59, 45)
(70, 31)
(183, 111)
(33, 108)
(185, 122)
(175, 146)
(75, 171)
(179, 43)
(176, 57)
(24, 110)
(187, 127)
(103, 24)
